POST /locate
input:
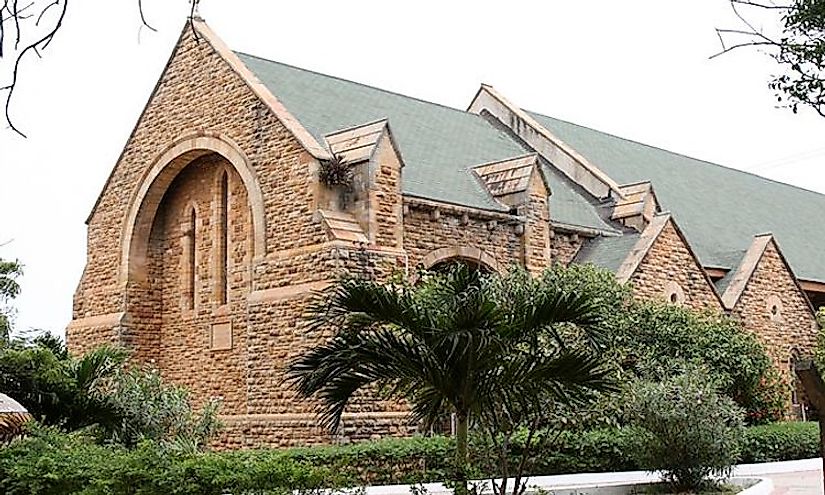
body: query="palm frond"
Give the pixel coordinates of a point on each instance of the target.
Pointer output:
(96, 365)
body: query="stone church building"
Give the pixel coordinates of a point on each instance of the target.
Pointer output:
(213, 229)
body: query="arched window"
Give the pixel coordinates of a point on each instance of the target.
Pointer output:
(222, 286)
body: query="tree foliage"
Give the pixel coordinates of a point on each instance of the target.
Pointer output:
(653, 340)
(144, 407)
(124, 406)
(656, 341)
(10, 271)
(799, 49)
(488, 348)
(692, 432)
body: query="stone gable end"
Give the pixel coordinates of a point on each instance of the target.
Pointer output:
(776, 310)
(669, 268)
(198, 92)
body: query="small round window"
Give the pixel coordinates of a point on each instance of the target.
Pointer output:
(674, 293)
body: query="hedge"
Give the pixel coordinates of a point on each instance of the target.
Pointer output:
(414, 460)
(55, 463)
(781, 442)
(52, 463)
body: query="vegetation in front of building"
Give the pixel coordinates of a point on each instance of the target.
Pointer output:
(617, 376)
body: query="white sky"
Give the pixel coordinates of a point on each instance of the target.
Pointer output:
(638, 69)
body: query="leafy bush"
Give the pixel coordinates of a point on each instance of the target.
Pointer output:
(54, 387)
(659, 340)
(336, 172)
(652, 340)
(52, 462)
(781, 442)
(143, 407)
(689, 431)
(125, 406)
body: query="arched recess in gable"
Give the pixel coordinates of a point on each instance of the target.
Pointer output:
(155, 183)
(470, 254)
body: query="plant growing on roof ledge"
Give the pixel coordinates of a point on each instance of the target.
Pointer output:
(336, 172)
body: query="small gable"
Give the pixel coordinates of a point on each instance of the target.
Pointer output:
(638, 206)
(662, 266)
(356, 144)
(511, 181)
(767, 298)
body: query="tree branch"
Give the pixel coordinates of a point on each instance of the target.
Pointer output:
(761, 5)
(40, 43)
(143, 17)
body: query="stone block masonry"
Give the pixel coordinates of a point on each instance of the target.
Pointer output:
(206, 247)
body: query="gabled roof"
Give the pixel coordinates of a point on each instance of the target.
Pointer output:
(736, 281)
(507, 176)
(719, 209)
(356, 144)
(440, 144)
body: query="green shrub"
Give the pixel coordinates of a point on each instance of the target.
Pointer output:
(651, 340)
(781, 442)
(144, 407)
(689, 431)
(658, 340)
(52, 462)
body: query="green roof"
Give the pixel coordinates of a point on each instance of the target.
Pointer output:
(439, 144)
(607, 252)
(718, 208)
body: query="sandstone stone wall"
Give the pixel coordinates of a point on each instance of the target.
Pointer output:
(186, 353)
(670, 262)
(565, 246)
(386, 202)
(237, 350)
(424, 234)
(774, 308)
(536, 240)
(198, 91)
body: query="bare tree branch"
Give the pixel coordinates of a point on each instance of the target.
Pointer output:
(35, 46)
(799, 50)
(761, 5)
(43, 12)
(143, 17)
(194, 15)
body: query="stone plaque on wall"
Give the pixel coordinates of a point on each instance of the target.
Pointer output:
(221, 336)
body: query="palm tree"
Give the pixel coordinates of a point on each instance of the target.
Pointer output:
(459, 341)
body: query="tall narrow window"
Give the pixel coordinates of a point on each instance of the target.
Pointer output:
(223, 238)
(190, 253)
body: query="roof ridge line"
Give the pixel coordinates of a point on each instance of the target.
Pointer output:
(652, 146)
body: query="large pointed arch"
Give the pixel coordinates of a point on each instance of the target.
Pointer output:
(144, 205)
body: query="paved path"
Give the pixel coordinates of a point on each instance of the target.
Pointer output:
(799, 483)
(802, 477)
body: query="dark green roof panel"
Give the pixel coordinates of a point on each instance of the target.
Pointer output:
(718, 208)
(607, 252)
(439, 144)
